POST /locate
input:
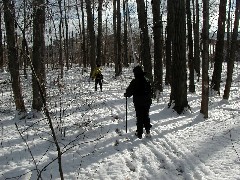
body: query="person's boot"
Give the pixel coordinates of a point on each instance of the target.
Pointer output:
(148, 135)
(138, 135)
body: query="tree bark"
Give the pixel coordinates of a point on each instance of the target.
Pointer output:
(83, 38)
(104, 60)
(66, 44)
(170, 20)
(38, 61)
(61, 63)
(91, 32)
(205, 59)
(190, 48)
(125, 38)
(13, 61)
(115, 34)
(196, 42)
(179, 69)
(118, 40)
(145, 55)
(99, 37)
(1, 44)
(158, 46)
(228, 31)
(24, 41)
(230, 64)
(219, 53)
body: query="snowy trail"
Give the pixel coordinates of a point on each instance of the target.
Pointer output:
(160, 157)
(182, 147)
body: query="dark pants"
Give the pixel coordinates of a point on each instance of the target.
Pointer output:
(143, 120)
(98, 81)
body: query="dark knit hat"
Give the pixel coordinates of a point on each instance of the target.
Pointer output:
(138, 71)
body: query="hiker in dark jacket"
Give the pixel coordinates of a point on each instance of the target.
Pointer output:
(140, 89)
(97, 75)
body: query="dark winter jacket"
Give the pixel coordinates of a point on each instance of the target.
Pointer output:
(139, 88)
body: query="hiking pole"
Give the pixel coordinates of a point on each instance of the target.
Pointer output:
(126, 114)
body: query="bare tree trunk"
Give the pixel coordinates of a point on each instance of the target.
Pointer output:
(1, 44)
(72, 49)
(91, 33)
(230, 64)
(115, 35)
(228, 31)
(99, 37)
(104, 60)
(170, 20)
(52, 54)
(66, 44)
(13, 64)
(118, 39)
(38, 53)
(145, 46)
(219, 53)
(125, 38)
(60, 38)
(190, 48)
(196, 42)
(83, 38)
(158, 48)
(24, 41)
(179, 69)
(79, 57)
(205, 59)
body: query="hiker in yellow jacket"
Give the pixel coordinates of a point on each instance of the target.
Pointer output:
(97, 75)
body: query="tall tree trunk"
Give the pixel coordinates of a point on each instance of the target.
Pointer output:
(228, 31)
(205, 59)
(230, 63)
(196, 42)
(145, 55)
(179, 69)
(219, 53)
(125, 38)
(158, 49)
(13, 64)
(61, 63)
(118, 40)
(91, 32)
(38, 53)
(80, 57)
(170, 20)
(52, 53)
(104, 61)
(72, 48)
(83, 38)
(1, 44)
(66, 44)
(115, 35)
(99, 37)
(190, 48)
(24, 41)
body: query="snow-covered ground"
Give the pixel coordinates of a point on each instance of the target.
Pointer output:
(91, 131)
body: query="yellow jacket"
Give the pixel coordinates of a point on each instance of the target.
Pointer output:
(96, 71)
